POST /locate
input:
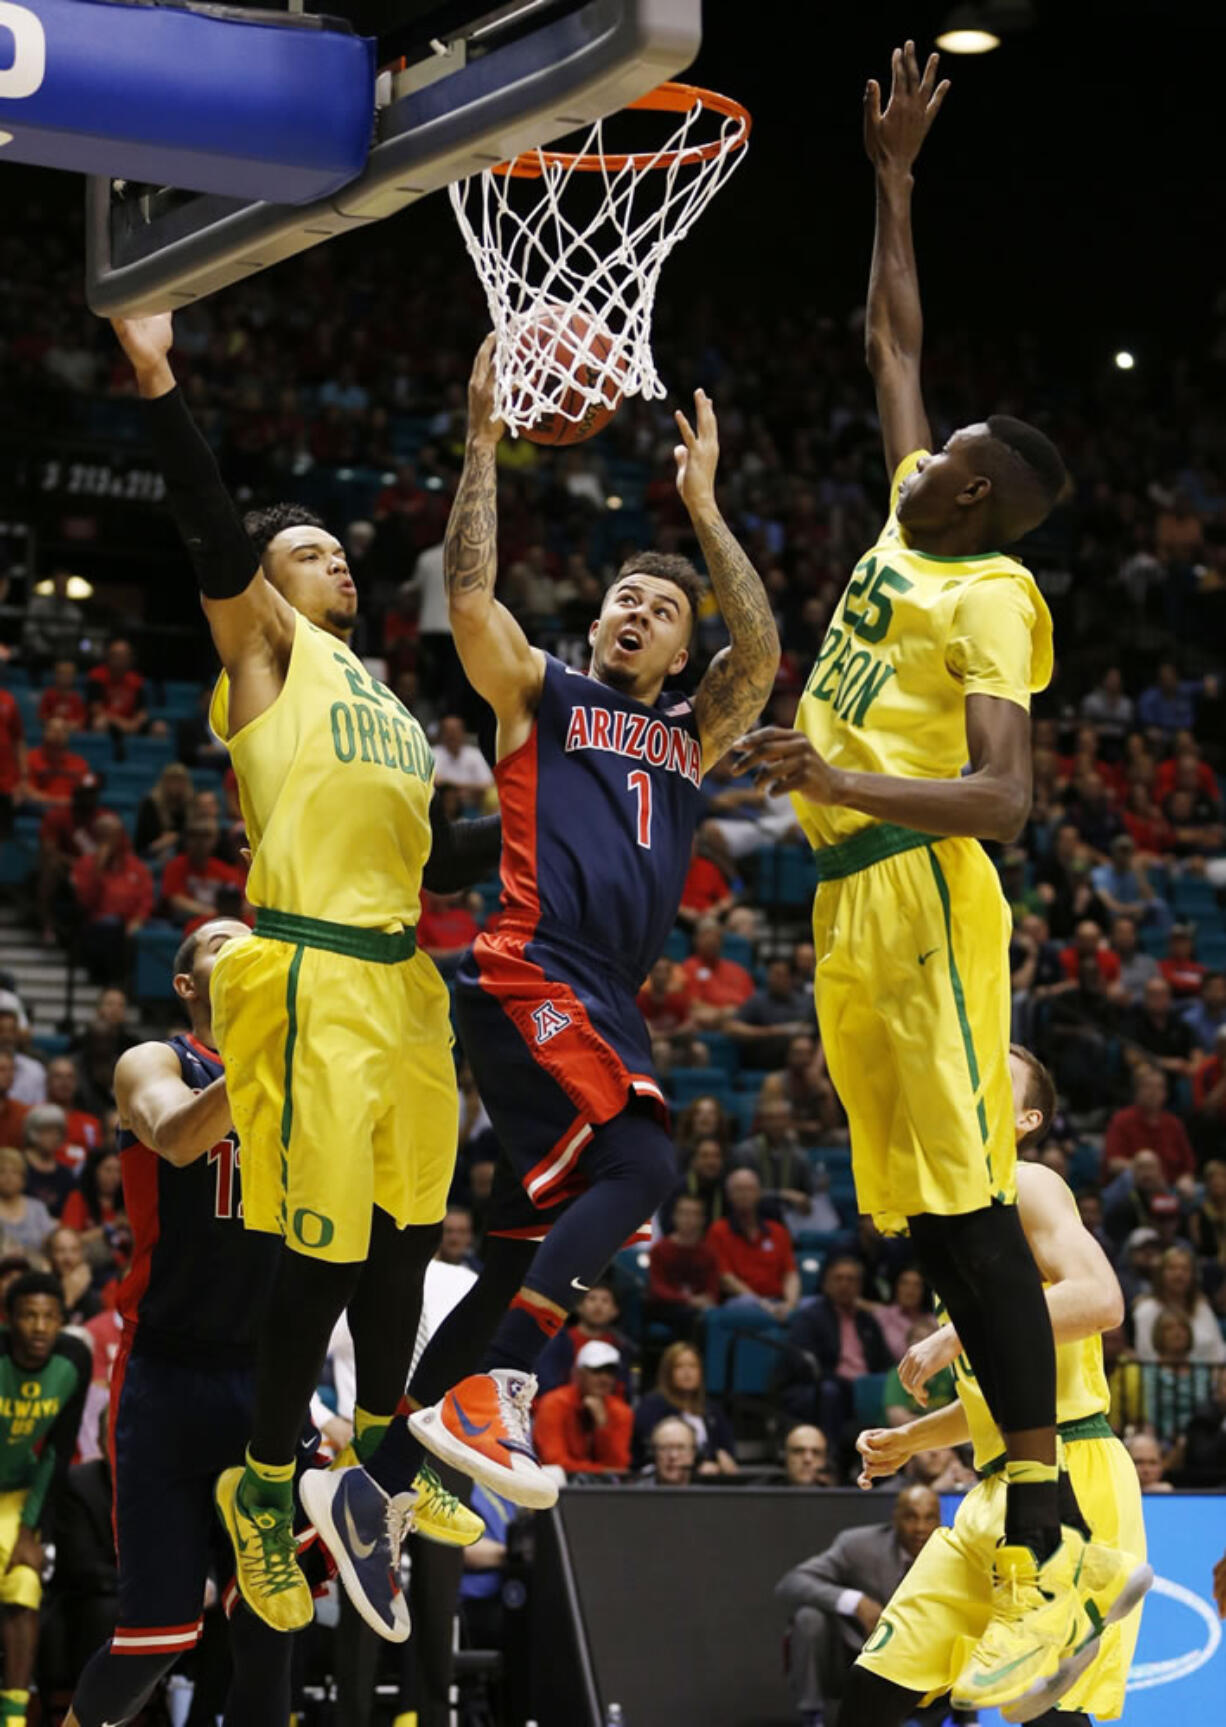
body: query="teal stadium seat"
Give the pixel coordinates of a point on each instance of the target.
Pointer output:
(736, 1363)
(677, 947)
(156, 946)
(869, 1396)
(739, 949)
(687, 1083)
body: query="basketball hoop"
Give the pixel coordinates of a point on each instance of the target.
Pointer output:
(596, 269)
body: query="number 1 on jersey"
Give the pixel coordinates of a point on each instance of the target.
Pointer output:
(640, 784)
(225, 1156)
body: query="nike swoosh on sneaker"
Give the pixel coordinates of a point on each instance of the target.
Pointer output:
(984, 1679)
(470, 1427)
(363, 1549)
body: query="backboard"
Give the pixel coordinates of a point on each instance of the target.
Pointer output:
(464, 84)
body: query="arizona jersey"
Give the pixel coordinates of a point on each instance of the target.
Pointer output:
(335, 779)
(599, 807)
(198, 1279)
(913, 636)
(1081, 1390)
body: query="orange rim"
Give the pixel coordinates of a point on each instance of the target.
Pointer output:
(665, 99)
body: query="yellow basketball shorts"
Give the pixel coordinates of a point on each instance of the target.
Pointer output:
(942, 1605)
(913, 1000)
(341, 1080)
(22, 1586)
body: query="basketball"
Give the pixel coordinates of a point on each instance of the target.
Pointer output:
(564, 354)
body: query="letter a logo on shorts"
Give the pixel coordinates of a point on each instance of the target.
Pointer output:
(549, 1021)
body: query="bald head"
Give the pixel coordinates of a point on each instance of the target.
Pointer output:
(917, 1513)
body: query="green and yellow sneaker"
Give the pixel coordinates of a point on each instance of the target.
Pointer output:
(440, 1516)
(1037, 1619)
(266, 1566)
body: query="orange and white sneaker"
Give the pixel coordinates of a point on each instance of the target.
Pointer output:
(483, 1427)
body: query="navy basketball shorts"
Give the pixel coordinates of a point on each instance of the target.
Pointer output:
(174, 1428)
(557, 1045)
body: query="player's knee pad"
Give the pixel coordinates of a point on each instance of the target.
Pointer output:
(117, 1687)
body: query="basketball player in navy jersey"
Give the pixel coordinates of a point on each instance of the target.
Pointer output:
(598, 780)
(182, 1384)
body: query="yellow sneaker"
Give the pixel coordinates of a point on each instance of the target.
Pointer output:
(1037, 1617)
(1112, 1584)
(266, 1566)
(440, 1516)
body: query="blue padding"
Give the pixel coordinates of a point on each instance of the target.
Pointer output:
(252, 110)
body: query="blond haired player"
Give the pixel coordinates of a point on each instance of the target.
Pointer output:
(334, 1029)
(945, 1600)
(929, 665)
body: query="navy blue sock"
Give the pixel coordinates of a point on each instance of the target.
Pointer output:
(631, 1168)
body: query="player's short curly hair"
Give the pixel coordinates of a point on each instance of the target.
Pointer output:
(263, 526)
(1028, 477)
(30, 1284)
(667, 567)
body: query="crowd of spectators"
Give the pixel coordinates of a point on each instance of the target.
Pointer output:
(1119, 947)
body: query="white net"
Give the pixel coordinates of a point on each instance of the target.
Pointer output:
(570, 254)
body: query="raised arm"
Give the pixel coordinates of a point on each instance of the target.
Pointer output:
(253, 627)
(737, 683)
(163, 1111)
(498, 659)
(894, 328)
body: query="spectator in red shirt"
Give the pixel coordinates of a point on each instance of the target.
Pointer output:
(715, 986)
(1185, 769)
(1143, 818)
(115, 892)
(1088, 943)
(68, 832)
(585, 1428)
(683, 1272)
(447, 928)
(754, 1254)
(707, 891)
(193, 876)
(117, 701)
(95, 1208)
(82, 1131)
(62, 700)
(663, 1003)
(1147, 1125)
(595, 1320)
(12, 760)
(53, 771)
(1181, 968)
(12, 1112)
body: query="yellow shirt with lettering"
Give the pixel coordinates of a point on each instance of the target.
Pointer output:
(912, 637)
(335, 779)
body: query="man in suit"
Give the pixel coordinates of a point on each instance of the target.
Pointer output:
(835, 1332)
(837, 1597)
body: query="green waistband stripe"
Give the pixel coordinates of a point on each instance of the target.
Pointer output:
(955, 979)
(870, 846)
(376, 945)
(1085, 1427)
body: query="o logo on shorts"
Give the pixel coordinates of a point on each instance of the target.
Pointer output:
(881, 1636)
(312, 1228)
(24, 76)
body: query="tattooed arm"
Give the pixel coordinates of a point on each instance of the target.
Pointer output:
(740, 678)
(498, 659)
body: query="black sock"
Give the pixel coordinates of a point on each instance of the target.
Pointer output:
(1008, 1342)
(307, 1298)
(385, 1310)
(871, 1701)
(455, 1351)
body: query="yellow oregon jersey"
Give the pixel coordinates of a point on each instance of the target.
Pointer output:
(335, 779)
(913, 636)
(1081, 1390)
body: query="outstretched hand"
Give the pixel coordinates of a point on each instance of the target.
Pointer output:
(893, 139)
(785, 761)
(883, 1451)
(925, 1359)
(482, 423)
(697, 456)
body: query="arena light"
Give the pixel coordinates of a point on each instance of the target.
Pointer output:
(967, 39)
(613, 502)
(78, 588)
(978, 26)
(1125, 361)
